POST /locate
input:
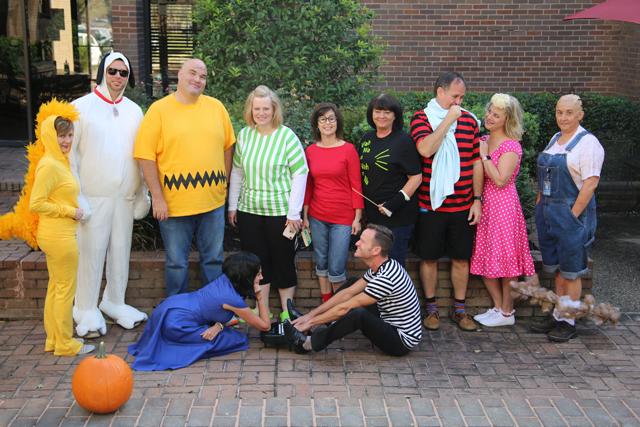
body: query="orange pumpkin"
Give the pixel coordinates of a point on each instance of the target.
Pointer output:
(102, 383)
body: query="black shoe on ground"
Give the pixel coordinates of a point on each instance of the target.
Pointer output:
(275, 335)
(293, 313)
(544, 326)
(563, 333)
(295, 338)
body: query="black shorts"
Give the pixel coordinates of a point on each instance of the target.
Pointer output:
(444, 233)
(262, 236)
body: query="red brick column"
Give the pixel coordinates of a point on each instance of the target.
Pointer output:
(128, 34)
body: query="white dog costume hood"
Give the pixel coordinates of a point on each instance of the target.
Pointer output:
(112, 193)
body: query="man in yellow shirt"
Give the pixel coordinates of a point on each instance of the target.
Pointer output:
(185, 146)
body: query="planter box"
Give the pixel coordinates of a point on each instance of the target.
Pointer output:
(24, 279)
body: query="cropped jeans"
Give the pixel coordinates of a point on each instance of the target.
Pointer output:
(331, 246)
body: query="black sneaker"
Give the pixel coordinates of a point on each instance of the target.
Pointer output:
(546, 325)
(563, 333)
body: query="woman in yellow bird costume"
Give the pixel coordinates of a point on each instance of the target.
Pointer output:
(46, 216)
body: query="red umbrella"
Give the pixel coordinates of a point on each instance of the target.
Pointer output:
(618, 10)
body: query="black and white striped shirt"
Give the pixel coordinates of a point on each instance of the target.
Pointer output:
(397, 300)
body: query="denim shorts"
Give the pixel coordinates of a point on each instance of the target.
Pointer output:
(331, 246)
(564, 239)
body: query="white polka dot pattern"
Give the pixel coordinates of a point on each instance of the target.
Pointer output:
(501, 247)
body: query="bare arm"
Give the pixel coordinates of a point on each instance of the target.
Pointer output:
(475, 213)
(589, 186)
(150, 172)
(360, 300)
(356, 225)
(412, 184)
(228, 160)
(429, 145)
(502, 174)
(261, 322)
(339, 298)
(305, 217)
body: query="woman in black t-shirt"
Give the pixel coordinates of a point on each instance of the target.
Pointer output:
(391, 172)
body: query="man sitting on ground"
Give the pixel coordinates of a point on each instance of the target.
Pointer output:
(383, 305)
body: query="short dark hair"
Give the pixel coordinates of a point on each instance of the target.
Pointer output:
(383, 238)
(445, 80)
(242, 269)
(320, 110)
(62, 125)
(388, 102)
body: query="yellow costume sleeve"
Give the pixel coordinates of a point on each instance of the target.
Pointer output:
(46, 180)
(148, 141)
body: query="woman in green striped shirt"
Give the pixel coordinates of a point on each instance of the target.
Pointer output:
(266, 191)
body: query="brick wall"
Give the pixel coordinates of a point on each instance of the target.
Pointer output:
(128, 33)
(501, 45)
(24, 279)
(628, 61)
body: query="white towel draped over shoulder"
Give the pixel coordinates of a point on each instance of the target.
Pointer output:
(445, 170)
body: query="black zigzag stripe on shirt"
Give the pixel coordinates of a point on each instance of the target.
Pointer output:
(219, 177)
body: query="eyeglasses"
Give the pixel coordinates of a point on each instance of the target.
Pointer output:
(113, 71)
(323, 120)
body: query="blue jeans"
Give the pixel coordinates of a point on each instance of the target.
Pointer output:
(401, 237)
(177, 234)
(331, 246)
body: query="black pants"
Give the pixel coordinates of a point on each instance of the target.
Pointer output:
(366, 319)
(262, 236)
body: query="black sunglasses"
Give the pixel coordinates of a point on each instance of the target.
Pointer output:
(113, 71)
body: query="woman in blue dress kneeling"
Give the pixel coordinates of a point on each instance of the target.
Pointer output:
(179, 332)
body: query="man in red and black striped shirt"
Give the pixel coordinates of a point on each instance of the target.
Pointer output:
(449, 229)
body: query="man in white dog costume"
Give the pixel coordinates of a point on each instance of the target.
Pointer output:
(112, 194)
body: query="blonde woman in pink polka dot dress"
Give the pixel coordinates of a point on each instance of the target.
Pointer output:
(501, 252)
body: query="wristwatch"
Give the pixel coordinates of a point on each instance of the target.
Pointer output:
(478, 198)
(487, 157)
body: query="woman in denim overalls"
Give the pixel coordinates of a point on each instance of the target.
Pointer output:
(568, 174)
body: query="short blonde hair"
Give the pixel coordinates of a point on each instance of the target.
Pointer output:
(263, 92)
(513, 111)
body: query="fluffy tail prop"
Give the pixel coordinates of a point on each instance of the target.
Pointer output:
(598, 313)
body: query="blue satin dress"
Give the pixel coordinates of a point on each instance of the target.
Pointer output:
(172, 340)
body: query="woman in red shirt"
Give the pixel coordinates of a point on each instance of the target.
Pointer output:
(332, 210)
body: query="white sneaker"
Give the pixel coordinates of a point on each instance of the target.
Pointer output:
(487, 313)
(499, 319)
(87, 348)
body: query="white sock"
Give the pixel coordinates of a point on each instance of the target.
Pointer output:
(507, 314)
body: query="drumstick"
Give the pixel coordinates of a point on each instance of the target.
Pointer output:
(386, 211)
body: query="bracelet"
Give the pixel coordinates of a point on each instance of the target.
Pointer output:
(259, 299)
(406, 196)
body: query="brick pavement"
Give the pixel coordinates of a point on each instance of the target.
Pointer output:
(502, 376)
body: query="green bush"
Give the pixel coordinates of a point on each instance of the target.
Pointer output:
(138, 94)
(323, 44)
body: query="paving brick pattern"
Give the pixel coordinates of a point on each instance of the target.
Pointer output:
(504, 376)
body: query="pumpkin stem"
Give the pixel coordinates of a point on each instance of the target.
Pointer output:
(102, 353)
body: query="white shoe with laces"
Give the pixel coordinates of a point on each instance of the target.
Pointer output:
(87, 348)
(490, 312)
(500, 319)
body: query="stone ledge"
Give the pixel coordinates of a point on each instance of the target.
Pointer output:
(24, 279)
